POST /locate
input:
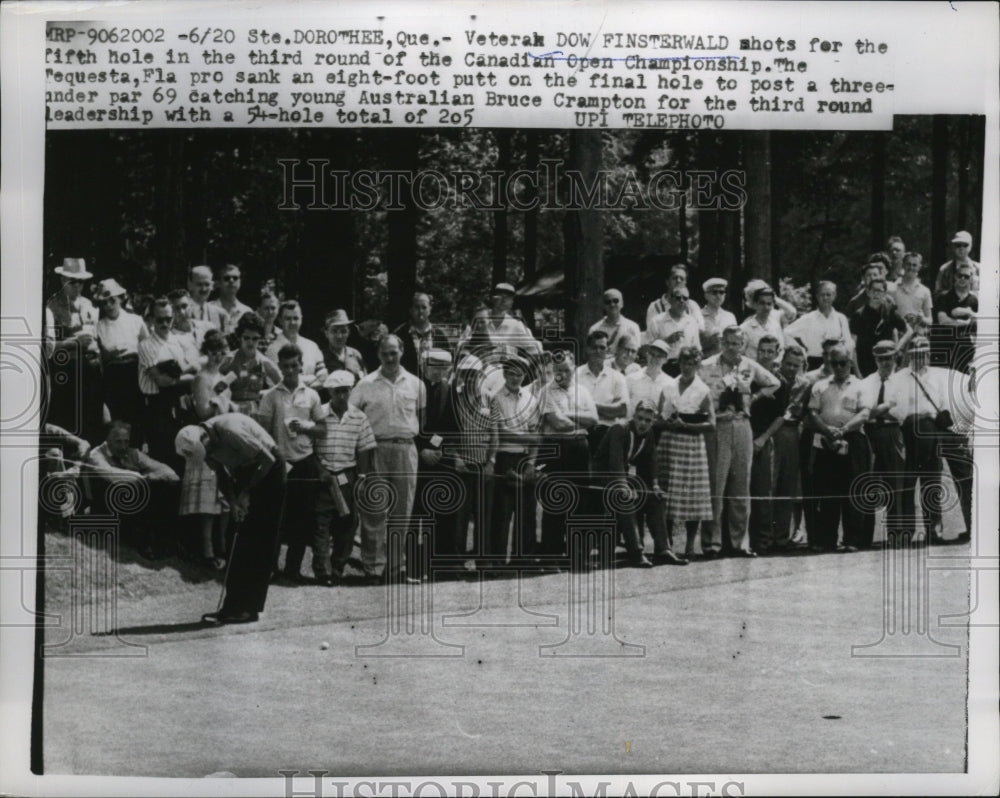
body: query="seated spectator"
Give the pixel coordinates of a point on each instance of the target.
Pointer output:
(61, 492)
(606, 386)
(115, 468)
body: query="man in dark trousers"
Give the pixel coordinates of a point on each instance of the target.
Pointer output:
(631, 449)
(251, 474)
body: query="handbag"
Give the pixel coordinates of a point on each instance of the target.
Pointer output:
(942, 418)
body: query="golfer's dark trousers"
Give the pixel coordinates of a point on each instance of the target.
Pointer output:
(572, 465)
(515, 499)
(886, 439)
(255, 545)
(955, 450)
(832, 475)
(299, 516)
(921, 439)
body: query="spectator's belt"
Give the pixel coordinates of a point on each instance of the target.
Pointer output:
(882, 422)
(394, 440)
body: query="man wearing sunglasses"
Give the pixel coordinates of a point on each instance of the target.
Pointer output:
(614, 324)
(961, 247)
(230, 280)
(952, 337)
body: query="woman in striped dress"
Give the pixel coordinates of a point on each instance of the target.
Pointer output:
(200, 495)
(681, 457)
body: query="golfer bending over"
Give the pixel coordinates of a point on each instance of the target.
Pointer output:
(251, 474)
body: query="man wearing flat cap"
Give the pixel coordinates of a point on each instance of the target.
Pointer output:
(345, 456)
(961, 247)
(74, 358)
(885, 436)
(251, 474)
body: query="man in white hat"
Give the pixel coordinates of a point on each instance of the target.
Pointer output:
(961, 248)
(251, 474)
(648, 383)
(75, 374)
(345, 456)
(337, 355)
(716, 317)
(200, 284)
(614, 324)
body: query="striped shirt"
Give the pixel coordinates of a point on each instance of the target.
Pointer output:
(476, 425)
(346, 437)
(154, 350)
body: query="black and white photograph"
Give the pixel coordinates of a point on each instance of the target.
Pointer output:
(404, 404)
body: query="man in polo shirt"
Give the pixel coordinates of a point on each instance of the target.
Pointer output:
(606, 386)
(567, 414)
(230, 280)
(677, 278)
(338, 355)
(200, 286)
(165, 375)
(913, 298)
(293, 415)
(345, 456)
(251, 474)
(838, 412)
(920, 395)
(876, 321)
(729, 376)
(961, 247)
(716, 317)
(514, 413)
(74, 360)
(764, 321)
(313, 368)
(394, 401)
(614, 324)
(885, 438)
(115, 462)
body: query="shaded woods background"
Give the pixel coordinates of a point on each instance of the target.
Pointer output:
(143, 206)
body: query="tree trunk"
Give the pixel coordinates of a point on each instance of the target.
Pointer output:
(531, 216)
(757, 211)
(878, 234)
(171, 260)
(503, 137)
(584, 233)
(977, 145)
(964, 155)
(681, 160)
(939, 194)
(401, 247)
(719, 230)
